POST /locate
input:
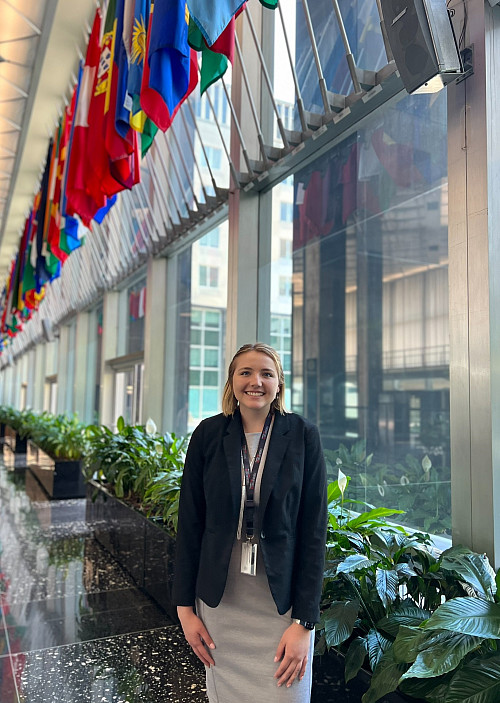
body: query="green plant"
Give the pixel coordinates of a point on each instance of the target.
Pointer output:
(416, 486)
(427, 623)
(139, 464)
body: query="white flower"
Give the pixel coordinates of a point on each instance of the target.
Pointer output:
(381, 490)
(159, 448)
(426, 464)
(338, 461)
(342, 481)
(151, 426)
(404, 480)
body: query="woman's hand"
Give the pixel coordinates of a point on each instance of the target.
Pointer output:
(196, 634)
(293, 652)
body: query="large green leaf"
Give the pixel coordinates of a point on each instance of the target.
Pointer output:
(385, 678)
(355, 657)
(376, 645)
(476, 682)
(353, 563)
(432, 690)
(339, 621)
(387, 586)
(470, 616)
(442, 653)
(472, 567)
(406, 613)
(406, 643)
(371, 515)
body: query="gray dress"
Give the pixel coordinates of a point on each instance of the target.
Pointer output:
(246, 629)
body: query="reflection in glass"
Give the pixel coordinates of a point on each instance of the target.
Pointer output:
(200, 335)
(369, 308)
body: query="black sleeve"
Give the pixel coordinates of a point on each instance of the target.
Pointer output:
(191, 523)
(311, 531)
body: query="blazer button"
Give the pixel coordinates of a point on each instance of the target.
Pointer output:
(263, 535)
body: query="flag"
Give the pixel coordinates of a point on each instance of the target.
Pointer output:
(212, 17)
(171, 65)
(78, 196)
(41, 273)
(214, 59)
(122, 152)
(100, 180)
(137, 54)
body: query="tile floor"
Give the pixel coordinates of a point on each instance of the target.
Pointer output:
(75, 629)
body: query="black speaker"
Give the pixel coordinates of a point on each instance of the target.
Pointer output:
(423, 43)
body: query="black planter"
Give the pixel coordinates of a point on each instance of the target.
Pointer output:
(14, 449)
(143, 547)
(330, 686)
(59, 478)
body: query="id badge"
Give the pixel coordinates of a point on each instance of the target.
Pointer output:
(249, 558)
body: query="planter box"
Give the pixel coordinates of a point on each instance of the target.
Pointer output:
(14, 449)
(143, 547)
(330, 686)
(59, 478)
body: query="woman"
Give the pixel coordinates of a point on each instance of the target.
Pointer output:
(251, 539)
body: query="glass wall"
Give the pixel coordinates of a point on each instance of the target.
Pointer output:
(365, 293)
(201, 328)
(136, 295)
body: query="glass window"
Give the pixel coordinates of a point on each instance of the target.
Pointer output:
(200, 337)
(136, 295)
(369, 307)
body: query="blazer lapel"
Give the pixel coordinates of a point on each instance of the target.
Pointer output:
(278, 444)
(232, 451)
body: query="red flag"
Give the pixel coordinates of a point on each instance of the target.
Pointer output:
(79, 200)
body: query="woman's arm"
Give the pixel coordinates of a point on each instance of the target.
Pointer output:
(191, 523)
(311, 531)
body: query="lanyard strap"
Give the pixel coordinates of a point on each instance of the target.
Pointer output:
(251, 471)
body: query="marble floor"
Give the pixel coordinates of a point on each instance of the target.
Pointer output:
(74, 628)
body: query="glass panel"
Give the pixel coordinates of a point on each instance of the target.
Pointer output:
(212, 339)
(136, 296)
(194, 378)
(195, 336)
(201, 320)
(211, 378)
(195, 356)
(369, 307)
(211, 357)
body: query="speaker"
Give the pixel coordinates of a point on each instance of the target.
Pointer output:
(423, 43)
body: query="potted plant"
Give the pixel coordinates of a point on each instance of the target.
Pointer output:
(55, 450)
(424, 623)
(134, 481)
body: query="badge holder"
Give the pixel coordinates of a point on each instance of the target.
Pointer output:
(249, 558)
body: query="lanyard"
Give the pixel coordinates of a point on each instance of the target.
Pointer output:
(251, 471)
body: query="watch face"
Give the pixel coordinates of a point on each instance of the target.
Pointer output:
(307, 625)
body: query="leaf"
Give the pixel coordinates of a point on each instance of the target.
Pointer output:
(432, 690)
(406, 644)
(407, 613)
(376, 645)
(339, 621)
(472, 567)
(120, 424)
(470, 616)
(385, 678)
(355, 657)
(444, 653)
(478, 681)
(405, 570)
(387, 585)
(371, 515)
(353, 563)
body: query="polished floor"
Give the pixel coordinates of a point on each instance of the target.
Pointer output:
(74, 628)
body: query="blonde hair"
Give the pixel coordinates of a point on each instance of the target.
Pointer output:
(229, 402)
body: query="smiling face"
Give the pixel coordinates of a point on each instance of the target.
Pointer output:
(255, 382)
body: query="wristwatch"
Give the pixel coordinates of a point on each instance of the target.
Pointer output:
(305, 623)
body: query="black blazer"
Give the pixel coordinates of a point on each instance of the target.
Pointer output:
(292, 522)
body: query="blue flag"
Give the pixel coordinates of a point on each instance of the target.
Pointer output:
(101, 214)
(213, 16)
(138, 52)
(169, 52)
